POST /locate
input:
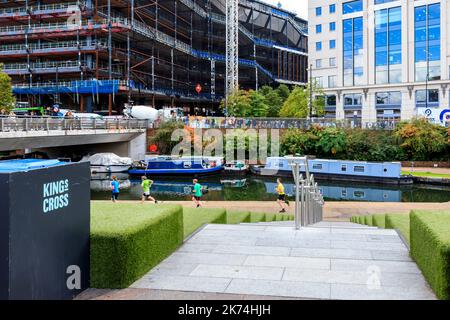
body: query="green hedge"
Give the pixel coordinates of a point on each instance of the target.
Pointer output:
(194, 218)
(399, 222)
(258, 217)
(368, 220)
(237, 217)
(129, 240)
(379, 220)
(270, 217)
(430, 248)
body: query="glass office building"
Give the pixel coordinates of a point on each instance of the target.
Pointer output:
(390, 56)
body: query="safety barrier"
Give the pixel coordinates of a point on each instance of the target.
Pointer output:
(309, 201)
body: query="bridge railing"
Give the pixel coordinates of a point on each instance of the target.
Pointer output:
(30, 123)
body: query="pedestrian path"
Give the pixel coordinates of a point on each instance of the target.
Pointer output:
(330, 260)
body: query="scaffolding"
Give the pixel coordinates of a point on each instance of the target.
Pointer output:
(154, 52)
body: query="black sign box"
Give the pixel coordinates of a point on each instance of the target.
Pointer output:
(44, 232)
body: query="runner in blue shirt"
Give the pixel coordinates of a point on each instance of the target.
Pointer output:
(115, 189)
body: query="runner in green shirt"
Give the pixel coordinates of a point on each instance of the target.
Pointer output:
(198, 193)
(146, 186)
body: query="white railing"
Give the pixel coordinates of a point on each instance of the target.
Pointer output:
(46, 123)
(309, 201)
(44, 7)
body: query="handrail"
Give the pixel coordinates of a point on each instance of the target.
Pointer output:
(16, 123)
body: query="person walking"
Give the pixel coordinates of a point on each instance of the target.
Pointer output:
(197, 198)
(282, 201)
(115, 189)
(146, 186)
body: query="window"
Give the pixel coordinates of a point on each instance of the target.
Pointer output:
(388, 99)
(383, 1)
(319, 82)
(332, 26)
(427, 100)
(332, 8)
(331, 81)
(353, 101)
(353, 52)
(352, 6)
(318, 28)
(318, 11)
(319, 63)
(332, 44)
(344, 168)
(388, 45)
(359, 169)
(319, 46)
(332, 62)
(427, 38)
(317, 166)
(330, 101)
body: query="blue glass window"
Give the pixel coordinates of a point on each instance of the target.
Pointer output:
(318, 11)
(353, 45)
(388, 45)
(352, 6)
(318, 28)
(318, 46)
(332, 26)
(332, 44)
(427, 38)
(332, 8)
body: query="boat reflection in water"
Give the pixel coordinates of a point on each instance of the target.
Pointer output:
(263, 189)
(344, 193)
(101, 182)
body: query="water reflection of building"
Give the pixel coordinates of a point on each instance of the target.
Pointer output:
(105, 185)
(172, 187)
(346, 193)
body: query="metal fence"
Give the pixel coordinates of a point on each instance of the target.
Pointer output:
(283, 123)
(29, 123)
(309, 201)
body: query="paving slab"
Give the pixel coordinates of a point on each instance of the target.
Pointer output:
(327, 261)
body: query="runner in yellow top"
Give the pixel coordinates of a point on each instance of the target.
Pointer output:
(282, 202)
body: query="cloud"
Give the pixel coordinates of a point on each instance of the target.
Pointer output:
(298, 6)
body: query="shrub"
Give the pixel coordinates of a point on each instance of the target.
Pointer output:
(368, 220)
(399, 222)
(237, 217)
(129, 240)
(379, 220)
(270, 217)
(430, 248)
(194, 218)
(258, 217)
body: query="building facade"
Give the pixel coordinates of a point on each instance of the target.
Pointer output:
(381, 60)
(100, 54)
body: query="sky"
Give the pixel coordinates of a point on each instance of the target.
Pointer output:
(298, 6)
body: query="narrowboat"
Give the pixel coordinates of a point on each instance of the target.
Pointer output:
(108, 163)
(236, 168)
(175, 166)
(339, 170)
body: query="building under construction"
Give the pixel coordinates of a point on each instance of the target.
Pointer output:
(98, 55)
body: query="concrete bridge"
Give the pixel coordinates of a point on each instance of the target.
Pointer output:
(59, 136)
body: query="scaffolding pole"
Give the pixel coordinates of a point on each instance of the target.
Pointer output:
(232, 47)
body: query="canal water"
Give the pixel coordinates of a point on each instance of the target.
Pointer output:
(253, 188)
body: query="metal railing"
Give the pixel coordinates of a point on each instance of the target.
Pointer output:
(31, 123)
(309, 201)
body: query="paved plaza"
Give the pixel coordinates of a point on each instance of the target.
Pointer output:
(330, 260)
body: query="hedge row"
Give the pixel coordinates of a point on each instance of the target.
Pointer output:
(128, 241)
(430, 248)
(428, 233)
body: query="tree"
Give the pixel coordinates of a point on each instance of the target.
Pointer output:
(332, 141)
(238, 104)
(297, 105)
(283, 92)
(272, 100)
(258, 106)
(7, 100)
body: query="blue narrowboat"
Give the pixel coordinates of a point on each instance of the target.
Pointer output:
(340, 170)
(175, 166)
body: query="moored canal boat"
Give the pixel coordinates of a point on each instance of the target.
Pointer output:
(339, 170)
